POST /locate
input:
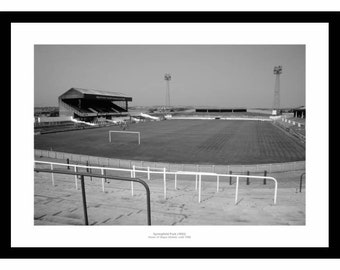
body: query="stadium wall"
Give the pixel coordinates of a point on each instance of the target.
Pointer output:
(220, 118)
(64, 110)
(53, 119)
(122, 163)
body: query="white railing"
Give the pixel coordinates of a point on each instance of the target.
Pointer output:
(198, 177)
(149, 116)
(148, 170)
(82, 122)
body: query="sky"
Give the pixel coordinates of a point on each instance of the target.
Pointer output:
(202, 75)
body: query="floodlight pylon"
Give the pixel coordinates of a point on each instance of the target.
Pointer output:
(167, 78)
(277, 73)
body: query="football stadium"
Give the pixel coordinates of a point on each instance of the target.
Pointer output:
(103, 162)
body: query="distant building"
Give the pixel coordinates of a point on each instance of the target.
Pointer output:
(89, 105)
(300, 112)
(46, 111)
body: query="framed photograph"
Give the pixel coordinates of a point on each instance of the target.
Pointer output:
(164, 134)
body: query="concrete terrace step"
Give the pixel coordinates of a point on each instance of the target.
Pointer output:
(58, 220)
(71, 214)
(62, 204)
(112, 195)
(107, 216)
(156, 185)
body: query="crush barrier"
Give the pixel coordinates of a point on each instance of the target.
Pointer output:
(148, 170)
(82, 174)
(198, 177)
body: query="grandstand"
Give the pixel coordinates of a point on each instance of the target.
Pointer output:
(300, 112)
(88, 105)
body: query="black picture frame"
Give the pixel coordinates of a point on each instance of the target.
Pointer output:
(332, 18)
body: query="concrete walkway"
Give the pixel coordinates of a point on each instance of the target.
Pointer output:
(62, 204)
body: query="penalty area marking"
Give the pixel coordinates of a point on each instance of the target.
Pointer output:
(133, 132)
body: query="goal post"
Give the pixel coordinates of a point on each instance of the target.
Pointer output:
(131, 132)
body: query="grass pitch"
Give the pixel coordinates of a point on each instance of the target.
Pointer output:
(183, 141)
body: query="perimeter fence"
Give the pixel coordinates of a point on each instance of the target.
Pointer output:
(128, 164)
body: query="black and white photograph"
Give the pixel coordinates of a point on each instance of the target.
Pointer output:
(160, 133)
(170, 135)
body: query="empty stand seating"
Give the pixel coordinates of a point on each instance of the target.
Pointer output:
(86, 103)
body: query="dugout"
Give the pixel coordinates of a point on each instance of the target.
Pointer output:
(90, 105)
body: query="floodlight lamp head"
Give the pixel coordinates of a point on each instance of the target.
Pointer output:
(277, 70)
(167, 76)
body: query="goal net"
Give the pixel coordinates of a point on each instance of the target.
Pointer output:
(130, 133)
